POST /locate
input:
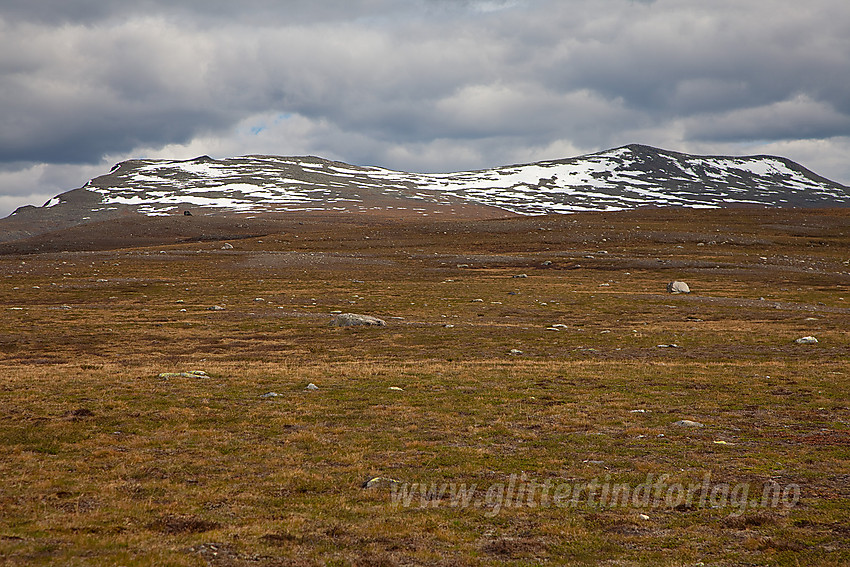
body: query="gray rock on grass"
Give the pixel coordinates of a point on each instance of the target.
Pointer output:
(355, 319)
(189, 374)
(678, 287)
(688, 423)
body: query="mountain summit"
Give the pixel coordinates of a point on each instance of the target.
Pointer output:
(621, 178)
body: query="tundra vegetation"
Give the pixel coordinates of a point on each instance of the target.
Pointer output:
(116, 450)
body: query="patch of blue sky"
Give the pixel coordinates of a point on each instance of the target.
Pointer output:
(257, 129)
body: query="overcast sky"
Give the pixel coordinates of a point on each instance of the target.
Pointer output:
(416, 85)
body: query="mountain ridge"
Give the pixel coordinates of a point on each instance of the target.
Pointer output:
(626, 177)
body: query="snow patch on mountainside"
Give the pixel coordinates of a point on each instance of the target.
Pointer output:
(622, 178)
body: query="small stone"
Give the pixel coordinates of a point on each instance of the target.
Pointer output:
(189, 374)
(270, 395)
(521, 276)
(259, 299)
(515, 351)
(215, 308)
(477, 300)
(311, 387)
(671, 345)
(644, 517)
(806, 340)
(227, 246)
(688, 423)
(396, 388)
(379, 481)
(547, 263)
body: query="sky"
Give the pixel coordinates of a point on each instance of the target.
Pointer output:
(414, 85)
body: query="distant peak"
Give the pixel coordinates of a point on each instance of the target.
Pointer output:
(200, 159)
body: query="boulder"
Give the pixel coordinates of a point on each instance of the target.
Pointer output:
(354, 319)
(678, 287)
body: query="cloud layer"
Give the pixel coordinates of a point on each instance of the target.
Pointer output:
(420, 85)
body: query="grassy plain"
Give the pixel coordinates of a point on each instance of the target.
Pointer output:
(104, 462)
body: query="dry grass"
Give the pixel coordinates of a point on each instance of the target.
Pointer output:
(104, 462)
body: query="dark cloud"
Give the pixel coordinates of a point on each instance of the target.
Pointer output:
(252, 11)
(418, 84)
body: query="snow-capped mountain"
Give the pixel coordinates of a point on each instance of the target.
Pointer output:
(622, 178)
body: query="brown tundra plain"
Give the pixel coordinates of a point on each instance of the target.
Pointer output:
(536, 396)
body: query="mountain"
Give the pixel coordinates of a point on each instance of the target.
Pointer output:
(621, 178)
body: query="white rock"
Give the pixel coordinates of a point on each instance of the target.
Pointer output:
(380, 481)
(227, 246)
(311, 387)
(806, 340)
(354, 319)
(678, 287)
(688, 423)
